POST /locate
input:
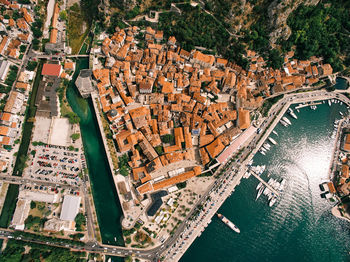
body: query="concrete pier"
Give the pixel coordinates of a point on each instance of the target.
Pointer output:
(263, 181)
(275, 114)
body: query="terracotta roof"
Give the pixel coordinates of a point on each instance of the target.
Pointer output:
(331, 187)
(215, 148)
(345, 171)
(69, 65)
(51, 70)
(53, 36)
(177, 179)
(145, 188)
(3, 43)
(243, 118)
(206, 59)
(4, 130)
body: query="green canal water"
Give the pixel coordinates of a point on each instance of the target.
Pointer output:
(300, 226)
(105, 196)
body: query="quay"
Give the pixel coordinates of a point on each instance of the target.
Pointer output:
(264, 183)
(305, 105)
(276, 112)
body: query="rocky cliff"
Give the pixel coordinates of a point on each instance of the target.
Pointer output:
(278, 12)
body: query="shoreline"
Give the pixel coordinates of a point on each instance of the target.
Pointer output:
(109, 158)
(281, 107)
(335, 212)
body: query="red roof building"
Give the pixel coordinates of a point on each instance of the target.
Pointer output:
(51, 70)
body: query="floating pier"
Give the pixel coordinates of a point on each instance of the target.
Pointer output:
(308, 104)
(264, 183)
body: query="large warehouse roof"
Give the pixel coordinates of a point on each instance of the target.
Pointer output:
(70, 207)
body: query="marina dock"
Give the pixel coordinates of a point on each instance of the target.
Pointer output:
(264, 183)
(308, 104)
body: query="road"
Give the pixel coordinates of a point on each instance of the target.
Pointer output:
(155, 253)
(22, 180)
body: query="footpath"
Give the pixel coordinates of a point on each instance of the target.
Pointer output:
(223, 191)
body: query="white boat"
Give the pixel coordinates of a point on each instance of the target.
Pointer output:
(266, 147)
(290, 111)
(259, 185)
(283, 123)
(273, 131)
(286, 120)
(282, 185)
(341, 113)
(272, 201)
(229, 223)
(259, 193)
(329, 102)
(262, 152)
(272, 140)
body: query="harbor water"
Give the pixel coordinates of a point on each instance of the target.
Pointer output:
(300, 226)
(104, 193)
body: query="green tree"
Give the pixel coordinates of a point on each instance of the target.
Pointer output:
(80, 221)
(63, 15)
(32, 205)
(75, 136)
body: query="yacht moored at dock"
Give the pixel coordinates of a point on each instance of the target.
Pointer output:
(285, 119)
(290, 111)
(272, 140)
(283, 123)
(261, 189)
(229, 223)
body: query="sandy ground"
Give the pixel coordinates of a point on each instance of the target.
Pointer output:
(50, 7)
(60, 132)
(3, 191)
(72, 2)
(41, 129)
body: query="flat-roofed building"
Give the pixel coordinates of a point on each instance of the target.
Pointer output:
(21, 213)
(70, 207)
(38, 196)
(4, 68)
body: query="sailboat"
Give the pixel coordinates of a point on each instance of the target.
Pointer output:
(259, 193)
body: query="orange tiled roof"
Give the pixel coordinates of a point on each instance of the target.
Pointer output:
(243, 118)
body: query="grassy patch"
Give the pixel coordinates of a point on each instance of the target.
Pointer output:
(77, 28)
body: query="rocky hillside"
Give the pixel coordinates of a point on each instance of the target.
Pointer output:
(229, 27)
(278, 12)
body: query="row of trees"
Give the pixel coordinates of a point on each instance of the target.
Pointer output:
(14, 251)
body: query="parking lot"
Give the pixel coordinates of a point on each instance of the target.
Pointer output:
(55, 164)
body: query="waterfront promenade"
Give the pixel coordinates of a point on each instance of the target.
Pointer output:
(268, 124)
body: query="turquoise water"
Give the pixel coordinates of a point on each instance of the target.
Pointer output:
(300, 226)
(104, 193)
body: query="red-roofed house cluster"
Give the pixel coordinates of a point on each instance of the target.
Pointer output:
(17, 30)
(199, 100)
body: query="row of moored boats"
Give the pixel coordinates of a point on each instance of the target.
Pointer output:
(271, 196)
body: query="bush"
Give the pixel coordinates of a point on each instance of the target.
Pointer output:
(31, 65)
(80, 221)
(32, 205)
(181, 185)
(75, 136)
(169, 139)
